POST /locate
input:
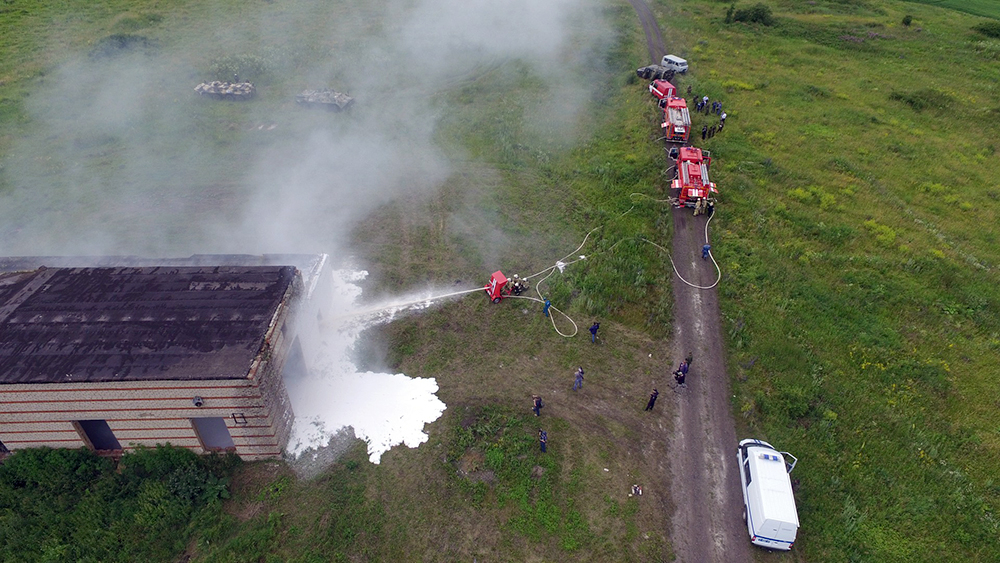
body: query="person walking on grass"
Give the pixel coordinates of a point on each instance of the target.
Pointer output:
(543, 439)
(704, 132)
(578, 382)
(536, 404)
(546, 308)
(652, 399)
(593, 332)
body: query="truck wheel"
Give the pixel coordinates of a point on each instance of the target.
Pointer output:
(496, 299)
(744, 515)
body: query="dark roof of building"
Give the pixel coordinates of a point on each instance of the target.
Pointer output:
(136, 323)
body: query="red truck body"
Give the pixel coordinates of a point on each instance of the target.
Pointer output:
(676, 120)
(662, 89)
(692, 176)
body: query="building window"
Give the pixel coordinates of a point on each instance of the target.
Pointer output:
(98, 435)
(3, 449)
(238, 418)
(213, 433)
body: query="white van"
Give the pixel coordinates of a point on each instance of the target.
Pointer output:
(770, 514)
(675, 63)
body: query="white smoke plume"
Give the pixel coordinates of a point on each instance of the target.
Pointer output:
(121, 157)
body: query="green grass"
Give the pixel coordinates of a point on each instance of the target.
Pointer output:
(985, 8)
(855, 235)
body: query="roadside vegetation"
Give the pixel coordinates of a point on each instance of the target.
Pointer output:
(860, 186)
(71, 505)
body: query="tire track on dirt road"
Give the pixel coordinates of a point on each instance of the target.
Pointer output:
(707, 524)
(654, 40)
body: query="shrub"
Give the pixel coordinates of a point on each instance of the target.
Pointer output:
(758, 13)
(990, 29)
(923, 99)
(907, 20)
(249, 68)
(120, 43)
(729, 13)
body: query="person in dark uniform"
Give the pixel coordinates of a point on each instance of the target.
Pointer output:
(543, 439)
(536, 404)
(652, 399)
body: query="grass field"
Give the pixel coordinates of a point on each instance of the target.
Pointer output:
(985, 8)
(859, 185)
(860, 191)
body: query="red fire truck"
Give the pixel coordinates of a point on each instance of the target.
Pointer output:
(676, 120)
(692, 177)
(662, 89)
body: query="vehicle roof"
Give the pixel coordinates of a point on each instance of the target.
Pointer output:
(675, 58)
(767, 469)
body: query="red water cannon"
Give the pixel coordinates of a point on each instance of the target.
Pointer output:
(497, 288)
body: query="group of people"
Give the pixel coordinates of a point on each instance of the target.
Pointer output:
(517, 286)
(705, 106)
(704, 206)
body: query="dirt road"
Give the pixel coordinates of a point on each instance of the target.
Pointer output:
(707, 524)
(654, 41)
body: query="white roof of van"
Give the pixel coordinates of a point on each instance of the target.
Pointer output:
(674, 58)
(777, 501)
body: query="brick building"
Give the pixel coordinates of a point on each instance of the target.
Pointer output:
(146, 352)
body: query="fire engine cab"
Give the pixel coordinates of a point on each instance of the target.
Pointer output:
(676, 120)
(692, 177)
(662, 89)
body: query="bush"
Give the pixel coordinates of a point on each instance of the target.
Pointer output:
(249, 68)
(78, 505)
(120, 43)
(923, 99)
(758, 13)
(990, 29)
(907, 20)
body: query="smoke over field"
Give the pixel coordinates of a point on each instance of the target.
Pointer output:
(119, 156)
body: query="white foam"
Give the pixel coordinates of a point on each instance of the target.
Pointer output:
(384, 409)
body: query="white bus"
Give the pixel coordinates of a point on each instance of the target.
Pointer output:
(770, 514)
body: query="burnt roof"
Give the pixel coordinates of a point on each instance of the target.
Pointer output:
(136, 323)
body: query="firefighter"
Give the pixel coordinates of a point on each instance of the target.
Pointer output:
(518, 285)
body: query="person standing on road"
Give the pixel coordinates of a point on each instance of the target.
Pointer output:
(543, 439)
(536, 404)
(593, 332)
(578, 382)
(689, 359)
(652, 399)
(683, 368)
(705, 250)
(679, 377)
